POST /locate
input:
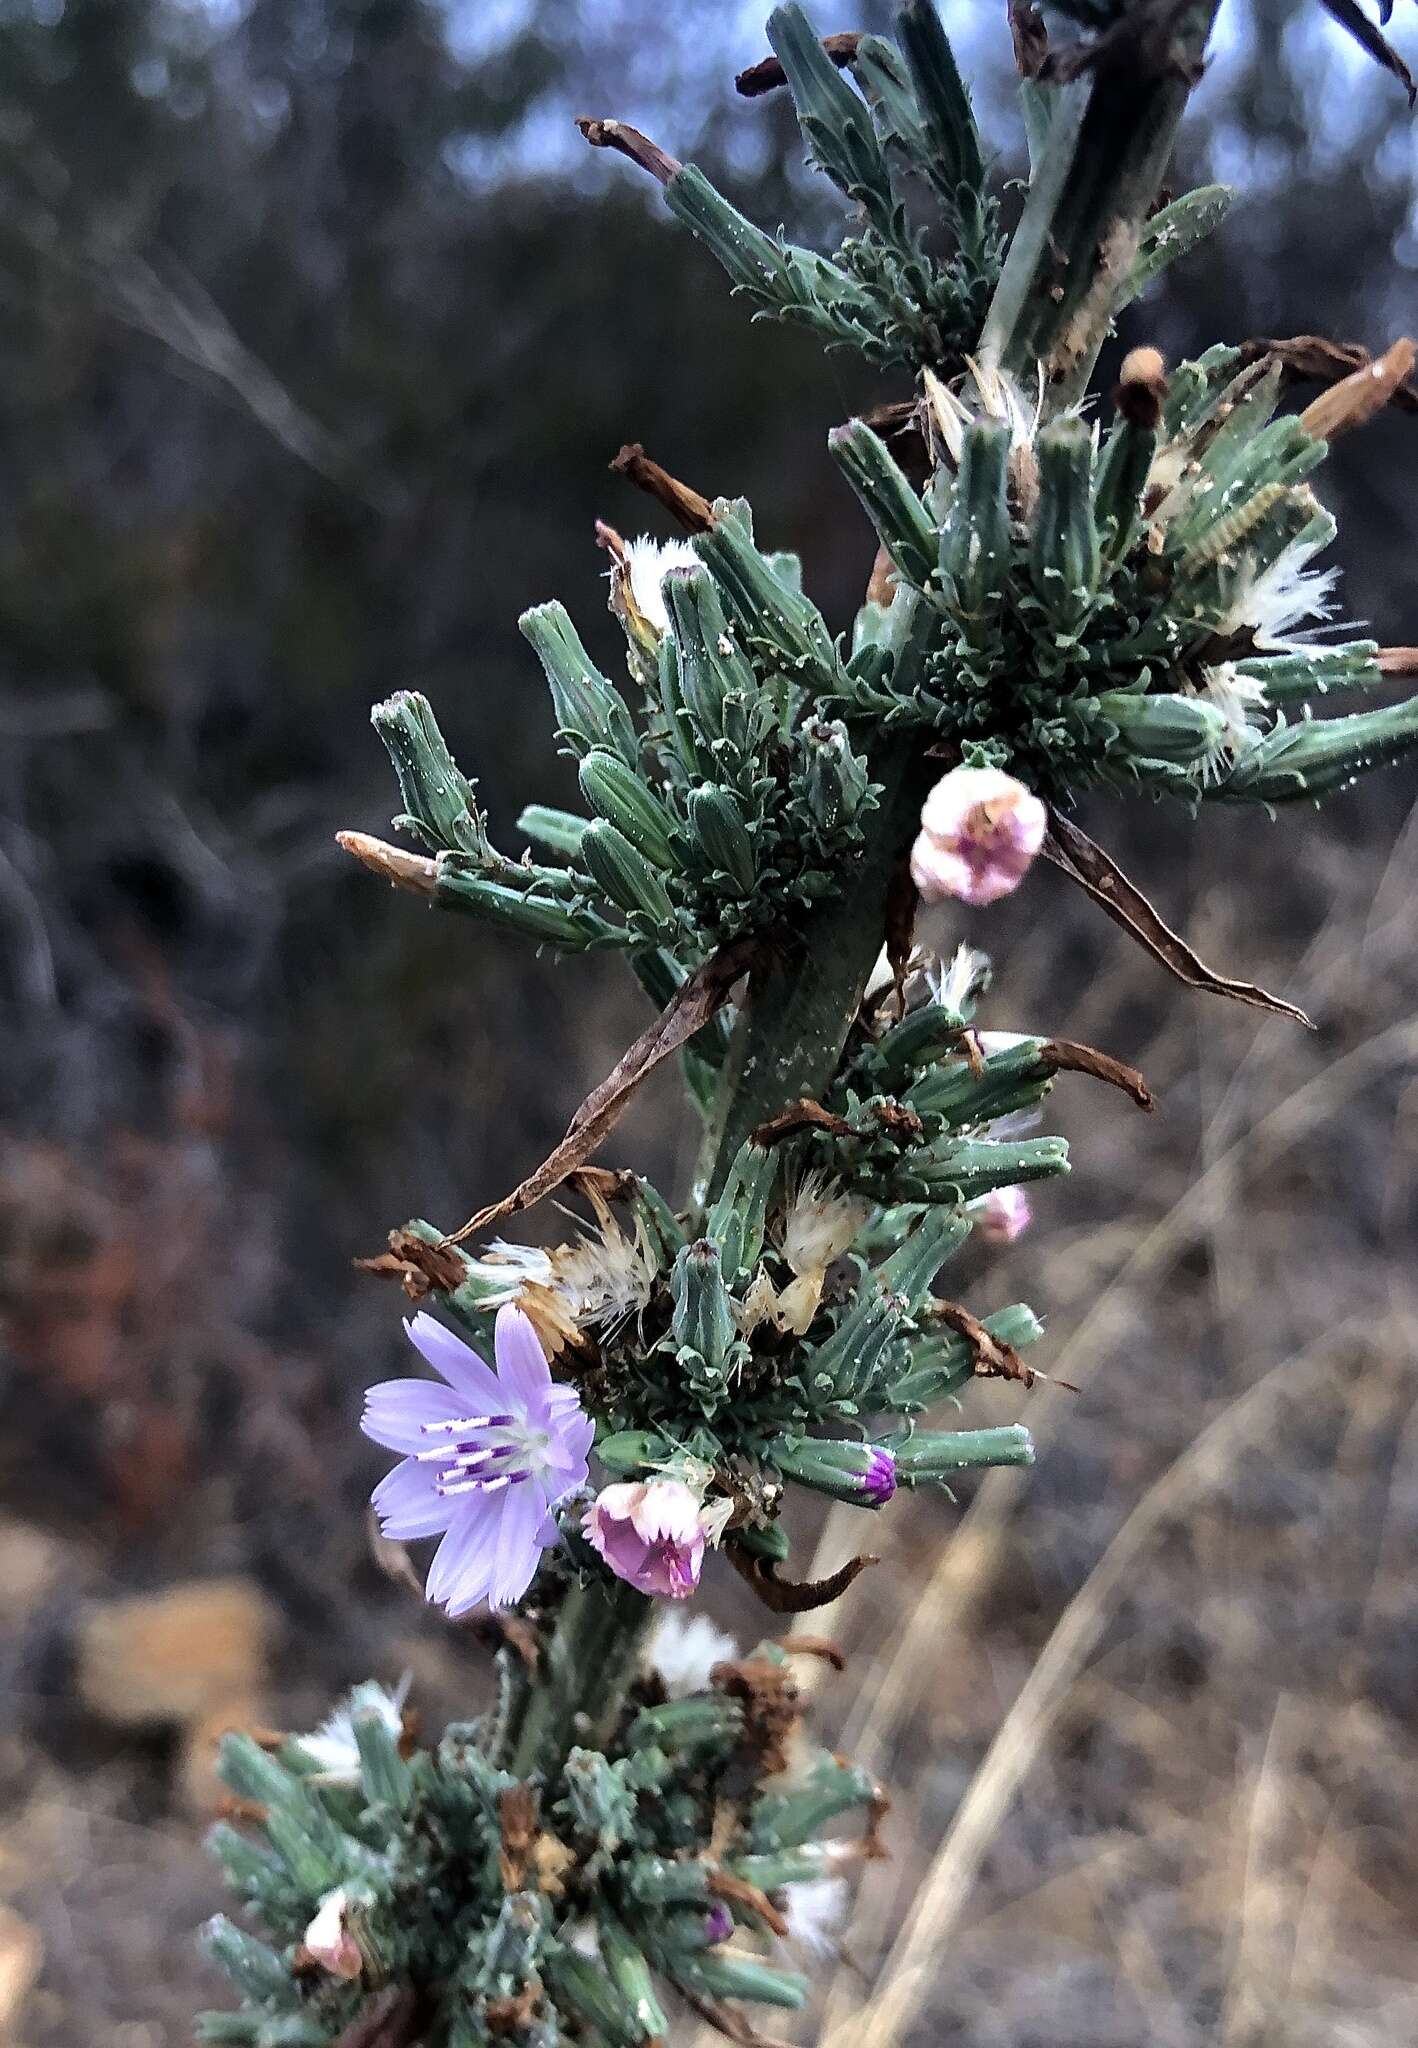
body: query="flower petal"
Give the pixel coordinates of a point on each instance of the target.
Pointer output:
(462, 1564)
(519, 1545)
(521, 1363)
(460, 1365)
(409, 1504)
(396, 1410)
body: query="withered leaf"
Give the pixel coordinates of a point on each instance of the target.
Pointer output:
(1312, 359)
(619, 135)
(693, 511)
(1100, 877)
(1067, 1056)
(1350, 15)
(737, 1891)
(767, 75)
(794, 1596)
(1357, 397)
(993, 1359)
(691, 1007)
(802, 1115)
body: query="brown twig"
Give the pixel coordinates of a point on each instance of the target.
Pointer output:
(767, 75)
(619, 135)
(694, 513)
(737, 1891)
(1398, 661)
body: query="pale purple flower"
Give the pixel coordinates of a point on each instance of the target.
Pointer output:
(650, 1534)
(980, 831)
(1003, 1215)
(487, 1455)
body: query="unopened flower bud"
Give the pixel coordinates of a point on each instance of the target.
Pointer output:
(1003, 1215)
(980, 831)
(327, 1941)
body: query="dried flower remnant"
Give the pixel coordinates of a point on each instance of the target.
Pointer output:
(487, 1455)
(980, 831)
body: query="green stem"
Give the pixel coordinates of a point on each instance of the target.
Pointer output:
(1108, 146)
(589, 1657)
(802, 1006)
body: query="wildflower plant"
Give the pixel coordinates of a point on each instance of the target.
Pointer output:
(1066, 597)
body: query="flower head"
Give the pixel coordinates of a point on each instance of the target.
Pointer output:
(980, 831)
(650, 1534)
(1002, 1215)
(486, 1457)
(684, 1650)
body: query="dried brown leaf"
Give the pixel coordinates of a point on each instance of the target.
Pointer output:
(619, 135)
(794, 1596)
(1067, 1056)
(1357, 397)
(694, 513)
(767, 75)
(693, 1004)
(1311, 359)
(1100, 877)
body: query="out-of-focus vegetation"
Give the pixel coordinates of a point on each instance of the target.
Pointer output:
(316, 335)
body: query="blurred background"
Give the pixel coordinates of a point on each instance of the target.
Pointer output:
(318, 327)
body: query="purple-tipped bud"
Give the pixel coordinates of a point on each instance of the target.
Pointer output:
(879, 1479)
(862, 1474)
(718, 1923)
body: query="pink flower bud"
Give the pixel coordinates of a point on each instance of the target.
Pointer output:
(980, 831)
(650, 1534)
(1003, 1215)
(328, 1942)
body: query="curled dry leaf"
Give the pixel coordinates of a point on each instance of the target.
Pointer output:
(1100, 877)
(1312, 359)
(794, 1596)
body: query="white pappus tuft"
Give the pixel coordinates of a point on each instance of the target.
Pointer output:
(815, 1910)
(647, 563)
(684, 1650)
(333, 1749)
(1280, 597)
